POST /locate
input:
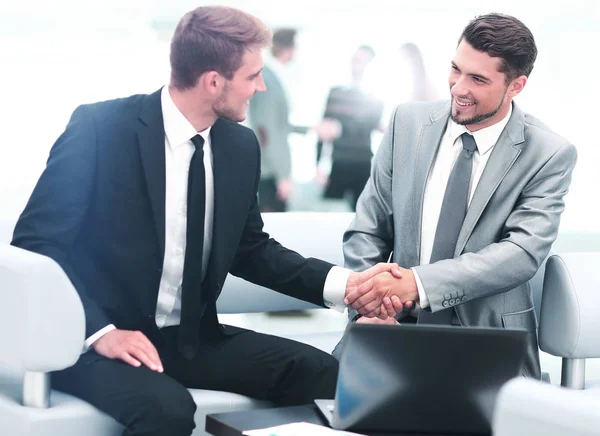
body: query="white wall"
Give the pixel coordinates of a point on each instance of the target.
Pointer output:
(56, 55)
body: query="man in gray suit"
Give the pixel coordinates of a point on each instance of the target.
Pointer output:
(468, 259)
(268, 117)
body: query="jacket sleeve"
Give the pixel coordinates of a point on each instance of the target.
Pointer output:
(54, 214)
(263, 261)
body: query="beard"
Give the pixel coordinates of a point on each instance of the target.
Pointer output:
(223, 109)
(479, 118)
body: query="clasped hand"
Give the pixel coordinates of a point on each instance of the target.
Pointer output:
(382, 291)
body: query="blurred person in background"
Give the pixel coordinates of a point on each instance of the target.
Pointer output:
(357, 114)
(268, 116)
(418, 84)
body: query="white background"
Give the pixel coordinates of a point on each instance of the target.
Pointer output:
(56, 55)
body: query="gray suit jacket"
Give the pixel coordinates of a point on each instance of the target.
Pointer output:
(511, 223)
(270, 110)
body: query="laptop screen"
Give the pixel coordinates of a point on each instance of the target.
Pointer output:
(433, 379)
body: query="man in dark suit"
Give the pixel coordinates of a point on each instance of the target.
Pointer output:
(147, 203)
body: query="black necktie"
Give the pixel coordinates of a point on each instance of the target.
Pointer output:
(452, 215)
(191, 294)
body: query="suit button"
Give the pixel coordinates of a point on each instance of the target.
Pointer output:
(445, 304)
(452, 302)
(464, 298)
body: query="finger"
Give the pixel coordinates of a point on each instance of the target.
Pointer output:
(396, 271)
(383, 314)
(376, 318)
(152, 354)
(377, 269)
(397, 304)
(390, 309)
(365, 320)
(142, 357)
(361, 302)
(125, 357)
(359, 292)
(150, 351)
(370, 309)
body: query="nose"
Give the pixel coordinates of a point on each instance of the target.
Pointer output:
(458, 87)
(260, 86)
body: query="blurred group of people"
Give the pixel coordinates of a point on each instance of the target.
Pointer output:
(352, 113)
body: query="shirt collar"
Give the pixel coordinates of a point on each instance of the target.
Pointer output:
(178, 129)
(485, 138)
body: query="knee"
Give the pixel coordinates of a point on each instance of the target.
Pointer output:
(179, 414)
(322, 370)
(330, 368)
(171, 413)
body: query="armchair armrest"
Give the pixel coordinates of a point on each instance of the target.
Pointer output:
(528, 407)
(42, 327)
(569, 321)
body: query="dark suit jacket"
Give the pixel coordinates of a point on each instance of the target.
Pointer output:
(98, 210)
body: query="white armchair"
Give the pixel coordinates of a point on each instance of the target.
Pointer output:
(570, 329)
(570, 313)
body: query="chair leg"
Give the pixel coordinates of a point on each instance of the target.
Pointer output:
(573, 373)
(36, 390)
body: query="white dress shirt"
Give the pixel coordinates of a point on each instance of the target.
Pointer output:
(178, 154)
(448, 152)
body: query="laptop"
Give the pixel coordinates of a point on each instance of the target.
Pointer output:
(425, 378)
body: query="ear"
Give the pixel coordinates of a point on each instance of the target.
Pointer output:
(516, 86)
(211, 82)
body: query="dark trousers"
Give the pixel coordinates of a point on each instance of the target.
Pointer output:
(149, 403)
(267, 197)
(348, 178)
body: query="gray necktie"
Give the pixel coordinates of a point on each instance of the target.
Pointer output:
(452, 215)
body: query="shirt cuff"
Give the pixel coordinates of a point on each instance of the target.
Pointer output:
(423, 300)
(89, 341)
(334, 290)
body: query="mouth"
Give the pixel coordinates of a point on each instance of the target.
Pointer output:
(463, 104)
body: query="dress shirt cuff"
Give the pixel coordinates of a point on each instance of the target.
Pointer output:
(89, 341)
(423, 300)
(334, 290)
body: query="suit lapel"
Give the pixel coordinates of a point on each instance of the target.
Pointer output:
(504, 155)
(429, 141)
(151, 136)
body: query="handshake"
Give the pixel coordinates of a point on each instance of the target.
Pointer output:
(381, 291)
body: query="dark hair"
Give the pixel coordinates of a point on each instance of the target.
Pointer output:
(504, 37)
(368, 49)
(213, 38)
(282, 39)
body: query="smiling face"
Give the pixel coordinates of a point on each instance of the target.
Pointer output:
(232, 103)
(480, 95)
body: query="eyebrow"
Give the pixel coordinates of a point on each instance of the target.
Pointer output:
(252, 76)
(479, 76)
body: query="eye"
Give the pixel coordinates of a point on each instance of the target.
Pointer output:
(478, 79)
(453, 67)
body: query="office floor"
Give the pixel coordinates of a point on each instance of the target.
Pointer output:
(327, 320)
